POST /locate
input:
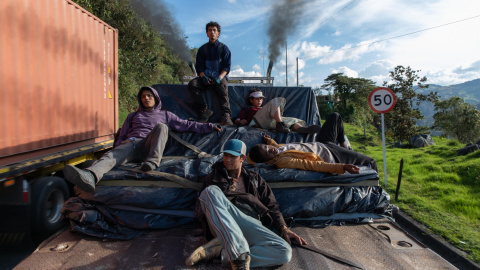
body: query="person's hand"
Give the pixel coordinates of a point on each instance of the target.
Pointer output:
(206, 80)
(218, 80)
(351, 168)
(218, 128)
(243, 122)
(266, 137)
(287, 234)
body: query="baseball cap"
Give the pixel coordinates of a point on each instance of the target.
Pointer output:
(256, 94)
(235, 147)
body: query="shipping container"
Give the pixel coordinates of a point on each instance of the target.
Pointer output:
(59, 103)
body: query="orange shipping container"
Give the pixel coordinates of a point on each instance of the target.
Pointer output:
(58, 78)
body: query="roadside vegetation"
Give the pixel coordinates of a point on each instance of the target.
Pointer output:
(439, 188)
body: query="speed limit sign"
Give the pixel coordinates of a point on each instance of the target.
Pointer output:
(382, 100)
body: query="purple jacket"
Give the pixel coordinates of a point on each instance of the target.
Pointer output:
(144, 121)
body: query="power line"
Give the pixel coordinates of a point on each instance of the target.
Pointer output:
(411, 33)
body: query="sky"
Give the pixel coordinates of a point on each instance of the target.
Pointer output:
(359, 38)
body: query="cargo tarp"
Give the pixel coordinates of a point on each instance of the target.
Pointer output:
(119, 212)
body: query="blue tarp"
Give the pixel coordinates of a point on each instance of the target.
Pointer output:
(116, 222)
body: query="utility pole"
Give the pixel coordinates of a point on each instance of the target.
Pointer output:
(297, 71)
(286, 65)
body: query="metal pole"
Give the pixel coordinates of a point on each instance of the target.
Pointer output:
(399, 180)
(286, 65)
(297, 71)
(384, 155)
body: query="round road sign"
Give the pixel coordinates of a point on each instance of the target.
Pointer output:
(382, 100)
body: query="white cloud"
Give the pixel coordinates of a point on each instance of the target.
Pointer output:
(346, 71)
(350, 52)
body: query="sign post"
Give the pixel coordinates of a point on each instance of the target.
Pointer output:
(382, 100)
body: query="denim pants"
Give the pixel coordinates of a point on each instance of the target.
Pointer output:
(147, 149)
(239, 233)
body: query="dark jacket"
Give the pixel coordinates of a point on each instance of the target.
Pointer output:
(210, 62)
(259, 195)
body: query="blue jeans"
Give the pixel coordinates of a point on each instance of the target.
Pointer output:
(239, 233)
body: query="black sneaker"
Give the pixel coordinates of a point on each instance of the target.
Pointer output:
(148, 166)
(84, 179)
(280, 127)
(205, 115)
(309, 130)
(226, 120)
(241, 263)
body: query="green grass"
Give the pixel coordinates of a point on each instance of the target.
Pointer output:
(439, 188)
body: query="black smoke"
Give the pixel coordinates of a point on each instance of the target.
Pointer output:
(157, 13)
(282, 22)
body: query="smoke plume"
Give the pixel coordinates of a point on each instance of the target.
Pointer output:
(283, 21)
(157, 13)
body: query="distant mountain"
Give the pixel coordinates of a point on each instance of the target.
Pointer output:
(469, 91)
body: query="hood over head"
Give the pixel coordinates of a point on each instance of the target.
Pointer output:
(158, 102)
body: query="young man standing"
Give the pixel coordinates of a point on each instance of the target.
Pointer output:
(213, 65)
(240, 209)
(142, 138)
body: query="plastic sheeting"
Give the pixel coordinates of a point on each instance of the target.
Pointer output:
(301, 101)
(124, 212)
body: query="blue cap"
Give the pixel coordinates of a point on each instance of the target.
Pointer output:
(235, 147)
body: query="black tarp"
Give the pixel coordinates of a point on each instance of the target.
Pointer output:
(120, 212)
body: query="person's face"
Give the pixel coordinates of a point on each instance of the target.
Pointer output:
(268, 152)
(148, 99)
(257, 102)
(212, 34)
(232, 162)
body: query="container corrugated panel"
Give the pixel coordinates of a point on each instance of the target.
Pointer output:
(58, 78)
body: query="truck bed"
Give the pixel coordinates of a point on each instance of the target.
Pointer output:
(379, 245)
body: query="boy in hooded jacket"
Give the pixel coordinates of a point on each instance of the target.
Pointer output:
(142, 138)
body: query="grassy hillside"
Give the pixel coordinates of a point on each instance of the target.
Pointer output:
(439, 188)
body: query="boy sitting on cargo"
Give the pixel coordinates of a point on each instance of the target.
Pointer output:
(270, 115)
(322, 156)
(142, 138)
(241, 210)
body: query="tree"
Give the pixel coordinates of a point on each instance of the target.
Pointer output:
(352, 94)
(401, 121)
(457, 119)
(143, 56)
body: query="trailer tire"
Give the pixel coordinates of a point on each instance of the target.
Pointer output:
(48, 196)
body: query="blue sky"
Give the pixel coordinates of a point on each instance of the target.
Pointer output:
(357, 37)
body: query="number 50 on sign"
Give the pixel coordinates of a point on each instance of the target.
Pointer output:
(381, 100)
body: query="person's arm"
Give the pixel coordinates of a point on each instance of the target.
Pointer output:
(226, 61)
(180, 125)
(125, 129)
(241, 117)
(268, 140)
(200, 62)
(309, 165)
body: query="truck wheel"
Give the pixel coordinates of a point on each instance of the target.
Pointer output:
(48, 196)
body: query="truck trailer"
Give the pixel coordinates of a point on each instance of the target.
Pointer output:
(59, 105)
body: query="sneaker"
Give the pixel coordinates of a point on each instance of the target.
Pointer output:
(310, 129)
(280, 127)
(205, 115)
(84, 179)
(208, 251)
(148, 166)
(241, 263)
(226, 120)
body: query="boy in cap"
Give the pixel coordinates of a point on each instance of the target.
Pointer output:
(270, 115)
(240, 209)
